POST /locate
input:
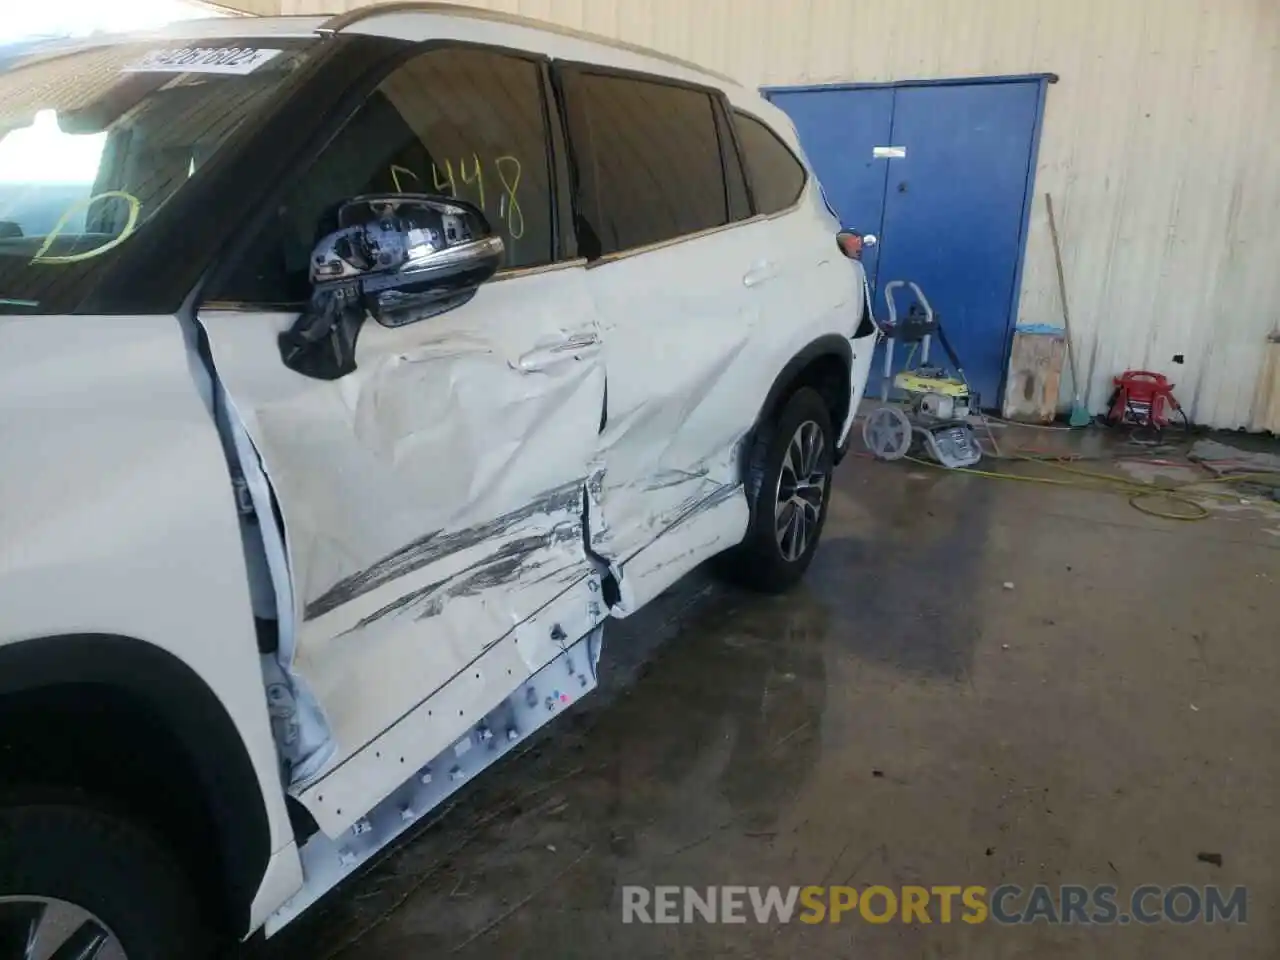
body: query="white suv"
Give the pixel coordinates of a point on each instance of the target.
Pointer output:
(354, 373)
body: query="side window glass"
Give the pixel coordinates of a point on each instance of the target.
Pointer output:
(464, 123)
(777, 178)
(649, 163)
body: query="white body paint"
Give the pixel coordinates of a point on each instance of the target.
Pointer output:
(433, 501)
(118, 517)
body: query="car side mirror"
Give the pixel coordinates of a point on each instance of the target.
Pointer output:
(399, 258)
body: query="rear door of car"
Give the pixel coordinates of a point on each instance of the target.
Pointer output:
(663, 217)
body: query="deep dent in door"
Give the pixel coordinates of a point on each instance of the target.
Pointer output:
(454, 416)
(431, 416)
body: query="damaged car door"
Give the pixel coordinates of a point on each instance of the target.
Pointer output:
(672, 282)
(431, 498)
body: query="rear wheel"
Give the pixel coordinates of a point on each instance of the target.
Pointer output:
(789, 487)
(78, 883)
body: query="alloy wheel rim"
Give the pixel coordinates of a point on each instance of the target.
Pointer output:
(46, 928)
(801, 493)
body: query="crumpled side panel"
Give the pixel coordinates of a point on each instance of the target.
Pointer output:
(432, 499)
(406, 638)
(412, 458)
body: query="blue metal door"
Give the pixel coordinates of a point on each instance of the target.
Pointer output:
(948, 195)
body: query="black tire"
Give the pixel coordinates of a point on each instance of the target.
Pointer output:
(760, 561)
(104, 865)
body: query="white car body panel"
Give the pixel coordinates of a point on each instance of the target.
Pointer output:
(280, 881)
(677, 324)
(119, 516)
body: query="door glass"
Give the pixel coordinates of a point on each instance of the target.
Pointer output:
(777, 177)
(464, 123)
(648, 161)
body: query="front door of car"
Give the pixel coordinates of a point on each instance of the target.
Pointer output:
(432, 500)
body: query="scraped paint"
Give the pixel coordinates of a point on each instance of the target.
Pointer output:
(438, 545)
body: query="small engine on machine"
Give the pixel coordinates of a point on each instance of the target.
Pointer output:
(937, 405)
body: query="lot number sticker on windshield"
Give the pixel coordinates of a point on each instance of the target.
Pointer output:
(225, 60)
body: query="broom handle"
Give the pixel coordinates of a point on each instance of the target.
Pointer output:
(1062, 290)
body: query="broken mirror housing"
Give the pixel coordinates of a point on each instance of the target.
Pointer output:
(400, 258)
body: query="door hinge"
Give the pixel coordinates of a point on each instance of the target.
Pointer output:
(244, 500)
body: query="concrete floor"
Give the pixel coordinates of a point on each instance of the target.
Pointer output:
(902, 718)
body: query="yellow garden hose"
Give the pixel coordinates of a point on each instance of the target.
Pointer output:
(1138, 492)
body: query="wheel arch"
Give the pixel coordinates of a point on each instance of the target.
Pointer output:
(826, 365)
(133, 728)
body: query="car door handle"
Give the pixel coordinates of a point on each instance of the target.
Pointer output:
(575, 347)
(758, 274)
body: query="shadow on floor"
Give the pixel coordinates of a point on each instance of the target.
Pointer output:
(978, 682)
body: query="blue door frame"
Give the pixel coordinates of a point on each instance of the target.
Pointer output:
(860, 191)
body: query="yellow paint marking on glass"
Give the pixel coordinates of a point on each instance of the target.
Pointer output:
(477, 175)
(396, 170)
(135, 208)
(509, 169)
(510, 178)
(448, 181)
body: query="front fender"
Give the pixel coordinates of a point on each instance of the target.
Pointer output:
(119, 518)
(169, 694)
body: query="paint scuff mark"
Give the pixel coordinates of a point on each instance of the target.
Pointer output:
(703, 504)
(506, 564)
(399, 603)
(665, 479)
(509, 562)
(438, 544)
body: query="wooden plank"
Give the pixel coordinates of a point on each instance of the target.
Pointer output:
(1035, 377)
(1266, 406)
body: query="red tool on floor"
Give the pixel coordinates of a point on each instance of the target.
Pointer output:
(1143, 399)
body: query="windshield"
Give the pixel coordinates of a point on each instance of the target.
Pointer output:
(94, 143)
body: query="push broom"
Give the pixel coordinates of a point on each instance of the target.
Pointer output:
(1079, 413)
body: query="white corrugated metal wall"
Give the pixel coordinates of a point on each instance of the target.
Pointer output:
(1161, 146)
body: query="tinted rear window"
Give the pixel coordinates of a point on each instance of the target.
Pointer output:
(777, 178)
(649, 160)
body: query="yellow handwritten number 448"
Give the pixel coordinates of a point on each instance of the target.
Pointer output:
(509, 172)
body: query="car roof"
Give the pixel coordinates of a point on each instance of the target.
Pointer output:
(250, 27)
(552, 38)
(211, 28)
(496, 28)
(346, 21)
(247, 27)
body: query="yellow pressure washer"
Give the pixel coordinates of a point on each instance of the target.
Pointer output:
(937, 405)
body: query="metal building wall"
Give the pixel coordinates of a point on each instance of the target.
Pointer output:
(1161, 146)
